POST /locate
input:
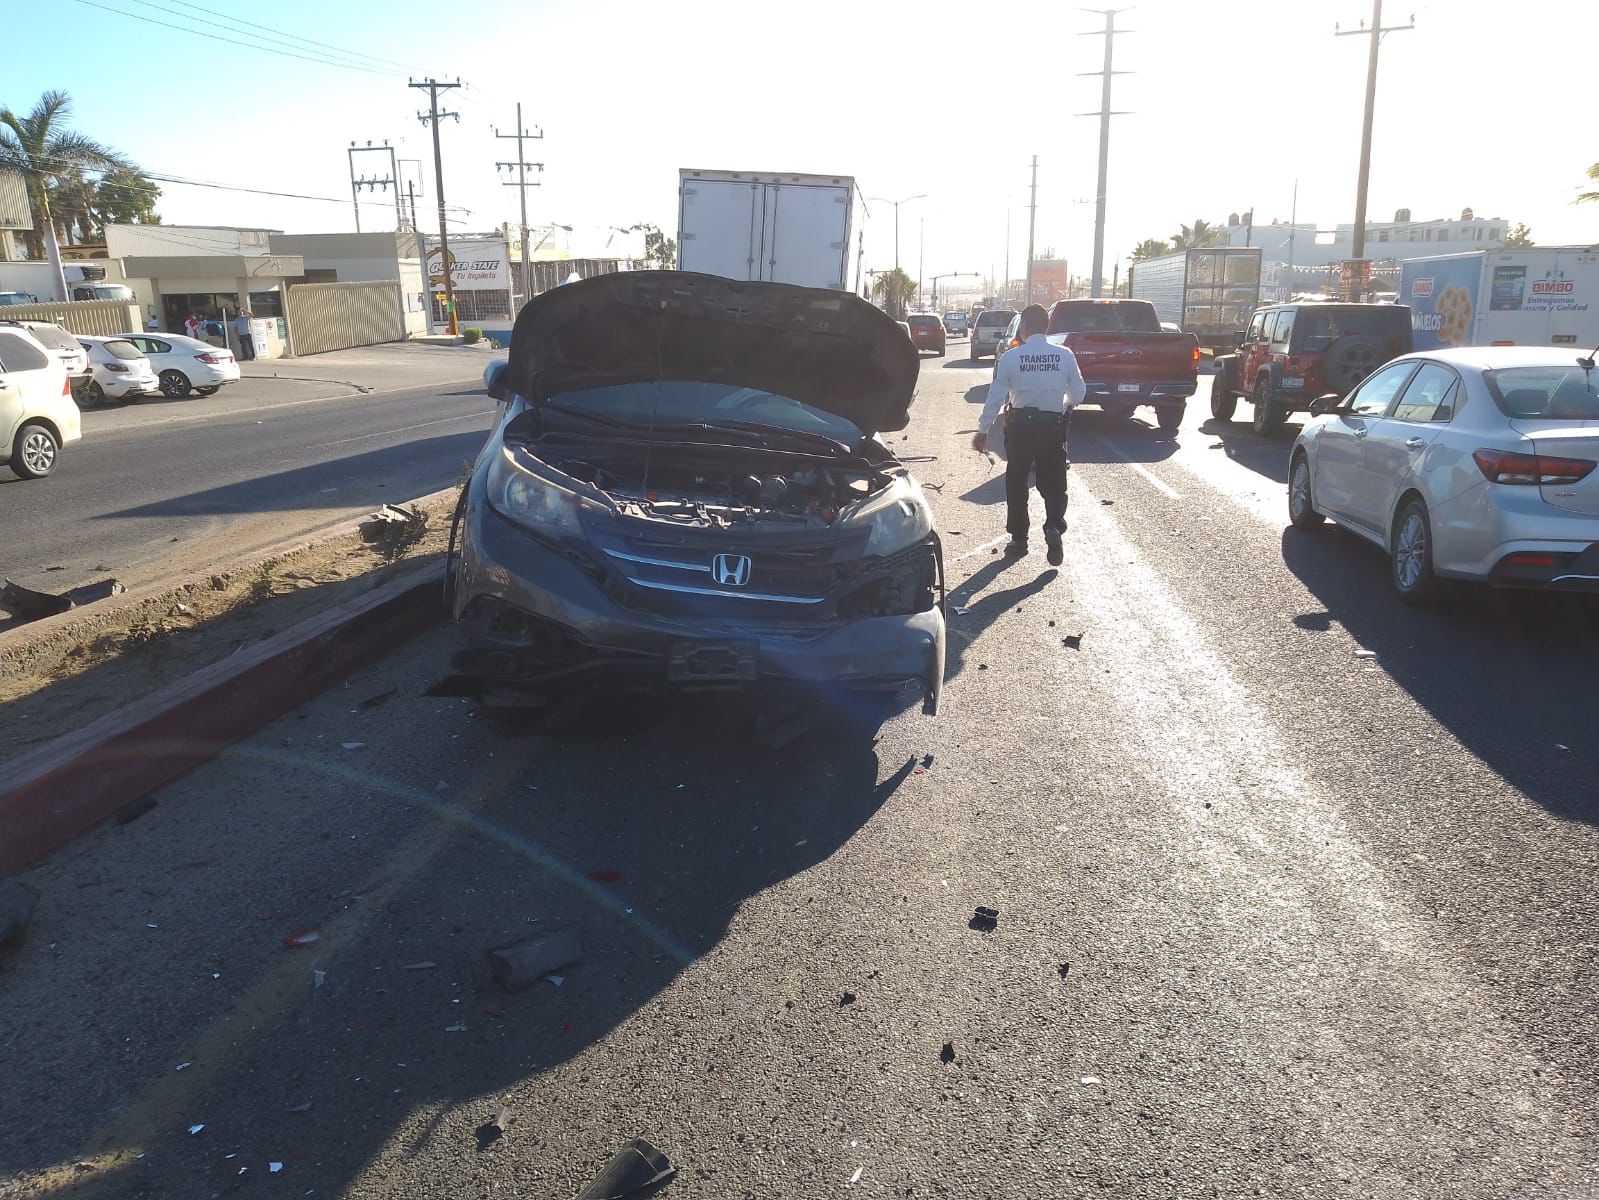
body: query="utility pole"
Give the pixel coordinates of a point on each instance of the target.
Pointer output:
(1293, 216)
(521, 184)
(432, 117)
(410, 191)
(1104, 114)
(921, 257)
(1004, 288)
(1032, 220)
(1358, 250)
(374, 183)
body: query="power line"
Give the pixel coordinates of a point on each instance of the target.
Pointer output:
(272, 35)
(216, 37)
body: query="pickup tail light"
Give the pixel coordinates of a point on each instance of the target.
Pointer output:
(1196, 356)
(1501, 466)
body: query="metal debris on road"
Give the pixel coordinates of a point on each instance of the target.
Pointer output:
(493, 1129)
(523, 964)
(947, 1054)
(419, 966)
(962, 609)
(1090, 1080)
(856, 1178)
(194, 1129)
(1365, 654)
(636, 1166)
(984, 919)
(303, 936)
(17, 902)
(183, 1066)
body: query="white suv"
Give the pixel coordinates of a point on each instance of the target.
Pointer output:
(61, 346)
(37, 413)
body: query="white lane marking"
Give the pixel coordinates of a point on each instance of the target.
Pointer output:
(1155, 481)
(402, 429)
(983, 549)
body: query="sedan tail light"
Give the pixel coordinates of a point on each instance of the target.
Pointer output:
(212, 358)
(1501, 466)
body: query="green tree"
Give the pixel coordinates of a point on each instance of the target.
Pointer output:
(42, 150)
(660, 251)
(1593, 173)
(1150, 248)
(894, 288)
(1518, 238)
(126, 196)
(1200, 233)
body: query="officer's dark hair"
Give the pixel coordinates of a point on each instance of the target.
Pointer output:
(1035, 319)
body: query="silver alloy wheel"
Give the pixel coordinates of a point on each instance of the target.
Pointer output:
(1410, 553)
(39, 451)
(1299, 488)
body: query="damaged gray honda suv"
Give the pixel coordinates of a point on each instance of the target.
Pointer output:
(687, 489)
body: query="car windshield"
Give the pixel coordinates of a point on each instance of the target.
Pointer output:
(924, 322)
(123, 350)
(1318, 328)
(55, 337)
(1096, 316)
(1547, 393)
(690, 401)
(995, 316)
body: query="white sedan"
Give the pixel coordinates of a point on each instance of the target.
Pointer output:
(184, 364)
(1472, 463)
(117, 371)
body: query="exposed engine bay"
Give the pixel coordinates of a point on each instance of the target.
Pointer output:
(717, 486)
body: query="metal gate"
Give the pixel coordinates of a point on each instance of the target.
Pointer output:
(336, 316)
(86, 318)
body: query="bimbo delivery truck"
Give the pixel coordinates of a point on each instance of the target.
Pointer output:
(1536, 297)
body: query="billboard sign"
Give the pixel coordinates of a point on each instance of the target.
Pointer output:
(475, 265)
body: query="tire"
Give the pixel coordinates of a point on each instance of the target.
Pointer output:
(175, 385)
(93, 395)
(1350, 359)
(35, 451)
(207, 391)
(1223, 404)
(1410, 554)
(1269, 413)
(1170, 417)
(1301, 504)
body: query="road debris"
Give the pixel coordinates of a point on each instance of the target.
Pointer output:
(1064, 969)
(1072, 641)
(25, 604)
(984, 919)
(303, 1107)
(556, 980)
(274, 1167)
(17, 902)
(947, 1054)
(1107, 503)
(455, 1029)
(353, 745)
(1090, 1080)
(194, 1129)
(846, 999)
(380, 699)
(419, 966)
(1365, 654)
(318, 978)
(856, 1178)
(493, 1129)
(637, 1166)
(302, 936)
(962, 609)
(523, 964)
(183, 1066)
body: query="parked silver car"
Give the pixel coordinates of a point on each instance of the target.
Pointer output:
(989, 330)
(1472, 463)
(687, 489)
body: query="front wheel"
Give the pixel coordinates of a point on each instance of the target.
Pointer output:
(1301, 509)
(175, 385)
(1411, 555)
(1269, 413)
(93, 396)
(35, 452)
(1170, 418)
(1222, 402)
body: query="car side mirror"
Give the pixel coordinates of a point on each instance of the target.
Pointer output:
(1330, 402)
(1238, 338)
(494, 382)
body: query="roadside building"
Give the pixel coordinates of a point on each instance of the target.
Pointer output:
(364, 258)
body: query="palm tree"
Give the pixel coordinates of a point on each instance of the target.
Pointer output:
(1200, 233)
(1150, 248)
(894, 288)
(1593, 173)
(44, 151)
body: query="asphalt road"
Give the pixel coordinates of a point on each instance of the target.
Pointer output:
(1276, 918)
(163, 488)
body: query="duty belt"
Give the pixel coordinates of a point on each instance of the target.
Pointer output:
(1034, 414)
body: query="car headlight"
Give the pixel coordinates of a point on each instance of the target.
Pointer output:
(530, 500)
(897, 517)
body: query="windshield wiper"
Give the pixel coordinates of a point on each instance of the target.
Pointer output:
(762, 432)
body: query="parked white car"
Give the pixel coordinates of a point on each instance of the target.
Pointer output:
(120, 371)
(64, 348)
(184, 364)
(1470, 463)
(37, 413)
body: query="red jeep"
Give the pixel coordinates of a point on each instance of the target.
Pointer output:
(1292, 353)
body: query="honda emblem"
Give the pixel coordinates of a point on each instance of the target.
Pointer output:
(731, 570)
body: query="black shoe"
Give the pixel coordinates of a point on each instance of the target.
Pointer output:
(1017, 547)
(1056, 554)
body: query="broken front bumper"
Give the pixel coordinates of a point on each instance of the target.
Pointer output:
(536, 617)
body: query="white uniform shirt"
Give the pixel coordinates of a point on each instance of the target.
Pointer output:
(1035, 374)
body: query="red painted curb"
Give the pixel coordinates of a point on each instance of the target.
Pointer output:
(65, 788)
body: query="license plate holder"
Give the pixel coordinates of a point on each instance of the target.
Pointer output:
(720, 662)
(1129, 387)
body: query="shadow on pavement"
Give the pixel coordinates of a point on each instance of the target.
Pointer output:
(356, 479)
(1098, 437)
(969, 364)
(1031, 575)
(1266, 456)
(1508, 673)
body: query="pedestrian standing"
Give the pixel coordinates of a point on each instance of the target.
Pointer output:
(241, 326)
(191, 326)
(1039, 384)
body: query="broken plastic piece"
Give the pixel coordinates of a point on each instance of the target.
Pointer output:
(1365, 654)
(1072, 641)
(274, 1167)
(28, 605)
(962, 609)
(493, 1130)
(419, 966)
(846, 999)
(303, 936)
(984, 919)
(636, 1166)
(856, 1178)
(947, 1054)
(523, 964)
(353, 745)
(318, 978)
(194, 1129)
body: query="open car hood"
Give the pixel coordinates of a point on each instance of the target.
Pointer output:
(831, 350)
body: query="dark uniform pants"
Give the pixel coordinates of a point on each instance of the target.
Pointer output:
(1035, 441)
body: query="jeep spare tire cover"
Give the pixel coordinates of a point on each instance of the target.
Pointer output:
(1350, 359)
(829, 349)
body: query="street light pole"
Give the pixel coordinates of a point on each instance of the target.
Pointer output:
(921, 257)
(1358, 250)
(896, 204)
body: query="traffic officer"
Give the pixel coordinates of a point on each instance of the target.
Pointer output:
(1041, 384)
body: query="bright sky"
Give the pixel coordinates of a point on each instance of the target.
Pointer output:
(1230, 101)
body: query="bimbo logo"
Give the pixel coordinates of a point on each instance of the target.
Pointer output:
(1553, 287)
(1421, 286)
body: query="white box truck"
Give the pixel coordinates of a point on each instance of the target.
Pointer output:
(803, 229)
(1210, 293)
(1543, 296)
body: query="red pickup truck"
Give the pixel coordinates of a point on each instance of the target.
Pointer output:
(1126, 359)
